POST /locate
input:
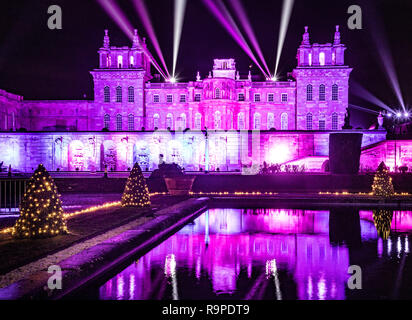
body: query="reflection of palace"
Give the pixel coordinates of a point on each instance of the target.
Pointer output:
(229, 247)
(295, 117)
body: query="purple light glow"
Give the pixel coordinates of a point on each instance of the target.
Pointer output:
(143, 13)
(229, 24)
(241, 13)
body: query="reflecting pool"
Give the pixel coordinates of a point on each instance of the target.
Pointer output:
(274, 254)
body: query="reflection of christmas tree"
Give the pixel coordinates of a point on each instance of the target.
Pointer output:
(136, 193)
(382, 220)
(41, 212)
(382, 182)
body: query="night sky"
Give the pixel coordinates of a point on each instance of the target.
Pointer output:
(39, 63)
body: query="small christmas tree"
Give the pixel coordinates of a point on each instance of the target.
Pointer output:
(136, 193)
(382, 183)
(383, 220)
(41, 212)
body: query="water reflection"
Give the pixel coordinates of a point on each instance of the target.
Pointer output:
(258, 254)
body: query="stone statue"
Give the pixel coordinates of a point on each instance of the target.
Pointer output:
(347, 121)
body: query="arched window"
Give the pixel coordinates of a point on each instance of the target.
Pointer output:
(156, 121)
(335, 92)
(309, 92)
(309, 121)
(270, 121)
(130, 94)
(119, 94)
(120, 61)
(218, 120)
(181, 122)
(334, 121)
(130, 122)
(322, 58)
(131, 61)
(322, 92)
(217, 93)
(284, 125)
(198, 121)
(106, 94)
(169, 121)
(107, 121)
(310, 59)
(241, 121)
(256, 121)
(119, 126)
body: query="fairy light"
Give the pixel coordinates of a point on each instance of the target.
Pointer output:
(136, 193)
(382, 183)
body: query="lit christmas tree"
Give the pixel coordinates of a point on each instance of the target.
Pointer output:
(383, 220)
(41, 212)
(136, 193)
(382, 183)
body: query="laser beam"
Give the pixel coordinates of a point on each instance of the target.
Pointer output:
(143, 13)
(384, 52)
(241, 14)
(114, 11)
(361, 92)
(229, 24)
(284, 23)
(179, 16)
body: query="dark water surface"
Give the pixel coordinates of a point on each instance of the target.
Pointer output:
(275, 254)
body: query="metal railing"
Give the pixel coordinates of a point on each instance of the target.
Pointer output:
(11, 192)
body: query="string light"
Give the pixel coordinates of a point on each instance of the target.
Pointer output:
(136, 193)
(382, 183)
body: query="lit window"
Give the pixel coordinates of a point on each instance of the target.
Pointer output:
(169, 121)
(106, 94)
(119, 94)
(322, 92)
(256, 121)
(217, 93)
(257, 97)
(198, 97)
(270, 121)
(156, 98)
(241, 97)
(107, 121)
(309, 124)
(156, 119)
(284, 125)
(310, 59)
(120, 61)
(271, 97)
(284, 97)
(130, 122)
(119, 126)
(241, 121)
(334, 121)
(131, 61)
(181, 122)
(335, 92)
(322, 58)
(333, 58)
(309, 92)
(322, 125)
(182, 98)
(198, 121)
(169, 98)
(131, 94)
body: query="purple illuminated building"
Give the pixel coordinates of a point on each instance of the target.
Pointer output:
(129, 118)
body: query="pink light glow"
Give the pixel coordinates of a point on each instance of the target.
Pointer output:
(240, 11)
(144, 16)
(229, 24)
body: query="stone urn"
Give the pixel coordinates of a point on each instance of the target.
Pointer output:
(179, 185)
